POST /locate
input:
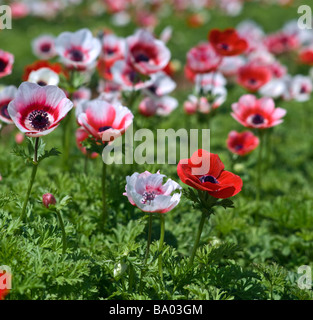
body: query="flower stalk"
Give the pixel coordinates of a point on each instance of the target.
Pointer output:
(32, 178)
(161, 242)
(64, 243)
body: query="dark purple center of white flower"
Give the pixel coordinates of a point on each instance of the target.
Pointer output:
(257, 119)
(153, 89)
(303, 89)
(3, 65)
(211, 179)
(76, 55)
(4, 112)
(42, 83)
(110, 51)
(134, 77)
(39, 120)
(141, 57)
(102, 129)
(148, 196)
(46, 47)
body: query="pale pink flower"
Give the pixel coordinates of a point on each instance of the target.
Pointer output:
(148, 193)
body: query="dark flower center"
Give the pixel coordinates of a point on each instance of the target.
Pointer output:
(3, 65)
(252, 81)
(148, 196)
(39, 120)
(153, 89)
(76, 55)
(238, 147)
(102, 129)
(142, 58)
(134, 77)
(224, 46)
(41, 83)
(211, 179)
(257, 119)
(303, 89)
(4, 112)
(45, 47)
(110, 51)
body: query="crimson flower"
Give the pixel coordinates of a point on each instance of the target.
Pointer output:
(242, 143)
(227, 42)
(216, 181)
(253, 76)
(4, 292)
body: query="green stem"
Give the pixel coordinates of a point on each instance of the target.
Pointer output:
(104, 206)
(32, 179)
(196, 244)
(147, 251)
(63, 231)
(162, 222)
(67, 126)
(259, 170)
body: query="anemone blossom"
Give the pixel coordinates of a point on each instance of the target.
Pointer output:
(37, 110)
(104, 121)
(6, 96)
(148, 192)
(44, 47)
(6, 63)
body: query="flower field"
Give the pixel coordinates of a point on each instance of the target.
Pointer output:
(230, 220)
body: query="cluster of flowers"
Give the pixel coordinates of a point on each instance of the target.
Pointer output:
(246, 56)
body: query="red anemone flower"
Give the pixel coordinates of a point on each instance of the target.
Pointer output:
(227, 42)
(37, 110)
(5, 291)
(242, 143)
(253, 76)
(213, 178)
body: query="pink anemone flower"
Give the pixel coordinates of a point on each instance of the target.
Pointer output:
(6, 96)
(6, 63)
(104, 120)
(145, 53)
(147, 192)
(203, 59)
(78, 50)
(37, 110)
(259, 114)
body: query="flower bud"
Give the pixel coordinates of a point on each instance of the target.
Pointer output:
(48, 199)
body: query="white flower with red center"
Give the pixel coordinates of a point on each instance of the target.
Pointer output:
(6, 96)
(148, 193)
(145, 53)
(44, 77)
(44, 47)
(161, 84)
(37, 110)
(127, 77)
(104, 121)
(113, 49)
(6, 63)
(257, 113)
(78, 50)
(162, 106)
